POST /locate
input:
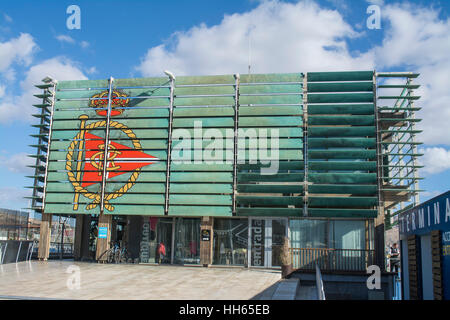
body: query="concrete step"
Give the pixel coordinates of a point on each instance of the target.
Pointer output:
(307, 293)
(286, 289)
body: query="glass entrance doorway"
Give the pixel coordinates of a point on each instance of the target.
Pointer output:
(180, 238)
(265, 241)
(164, 232)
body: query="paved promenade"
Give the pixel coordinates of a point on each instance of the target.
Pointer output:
(54, 280)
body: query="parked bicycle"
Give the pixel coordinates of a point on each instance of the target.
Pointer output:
(116, 254)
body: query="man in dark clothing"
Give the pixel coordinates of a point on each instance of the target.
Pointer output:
(395, 258)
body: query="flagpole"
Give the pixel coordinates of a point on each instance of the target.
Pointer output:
(105, 158)
(83, 119)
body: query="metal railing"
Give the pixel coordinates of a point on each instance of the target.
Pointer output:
(15, 250)
(55, 250)
(332, 259)
(319, 284)
(397, 287)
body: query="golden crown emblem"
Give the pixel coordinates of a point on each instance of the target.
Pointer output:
(119, 100)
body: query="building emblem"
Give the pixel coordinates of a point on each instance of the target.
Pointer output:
(86, 154)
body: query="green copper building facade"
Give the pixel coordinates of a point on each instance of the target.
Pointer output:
(204, 163)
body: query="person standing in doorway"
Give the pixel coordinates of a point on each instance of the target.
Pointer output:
(395, 258)
(161, 251)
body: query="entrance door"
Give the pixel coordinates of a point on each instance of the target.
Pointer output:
(164, 235)
(265, 241)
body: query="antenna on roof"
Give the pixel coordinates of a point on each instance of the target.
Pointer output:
(249, 52)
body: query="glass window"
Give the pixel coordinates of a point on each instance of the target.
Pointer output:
(3, 217)
(154, 233)
(230, 241)
(348, 238)
(348, 234)
(187, 241)
(308, 233)
(3, 234)
(278, 234)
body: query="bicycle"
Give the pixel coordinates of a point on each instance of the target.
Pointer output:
(110, 253)
(115, 254)
(121, 255)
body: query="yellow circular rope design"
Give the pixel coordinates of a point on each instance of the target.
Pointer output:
(95, 196)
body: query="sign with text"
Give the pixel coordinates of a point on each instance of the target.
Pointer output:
(257, 243)
(433, 214)
(102, 232)
(206, 235)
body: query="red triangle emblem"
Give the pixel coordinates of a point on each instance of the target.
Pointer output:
(121, 160)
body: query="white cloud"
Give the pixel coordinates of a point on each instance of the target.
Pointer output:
(7, 18)
(418, 39)
(435, 160)
(13, 197)
(17, 163)
(17, 50)
(84, 44)
(416, 36)
(305, 37)
(20, 107)
(91, 70)
(284, 37)
(377, 2)
(431, 194)
(65, 38)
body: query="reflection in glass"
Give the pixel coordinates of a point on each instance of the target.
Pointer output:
(278, 234)
(187, 241)
(230, 241)
(307, 233)
(164, 236)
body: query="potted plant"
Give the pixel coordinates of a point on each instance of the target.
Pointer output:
(286, 261)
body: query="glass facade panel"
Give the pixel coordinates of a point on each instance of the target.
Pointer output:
(348, 234)
(349, 237)
(13, 224)
(147, 253)
(332, 244)
(187, 241)
(307, 233)
(164, 238)
(230, 241)
(278, 234)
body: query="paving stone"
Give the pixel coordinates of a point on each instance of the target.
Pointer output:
(48, 279)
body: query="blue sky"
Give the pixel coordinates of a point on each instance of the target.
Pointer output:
(143, 38)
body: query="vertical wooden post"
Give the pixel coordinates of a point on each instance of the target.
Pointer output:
(45, 236)
(103, 243)
(415, 289)
(206, 246)
(436, 251)
(78, 237)
(379, 243)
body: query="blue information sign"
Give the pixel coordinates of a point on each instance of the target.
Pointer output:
(102, 232)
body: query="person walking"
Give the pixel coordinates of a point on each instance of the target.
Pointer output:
(161, 251)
